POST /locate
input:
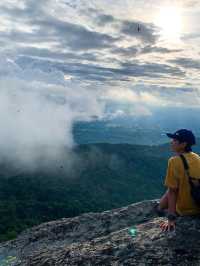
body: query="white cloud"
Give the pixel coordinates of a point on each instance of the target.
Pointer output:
(131, 96)
(40, 99)
(37, 115)
(140, 100)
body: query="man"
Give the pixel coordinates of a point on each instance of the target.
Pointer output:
(177, 199)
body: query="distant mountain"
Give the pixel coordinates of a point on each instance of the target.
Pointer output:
(105, 176)
(143, 131)
(110, 132)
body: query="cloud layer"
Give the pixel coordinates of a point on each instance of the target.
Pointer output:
(37, 112)
(63, 61)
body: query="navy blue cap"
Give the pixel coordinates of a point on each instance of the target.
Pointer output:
(183, 135)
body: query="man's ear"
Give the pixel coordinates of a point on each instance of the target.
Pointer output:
(184, 144)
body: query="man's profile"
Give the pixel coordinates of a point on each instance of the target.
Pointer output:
(178, 199)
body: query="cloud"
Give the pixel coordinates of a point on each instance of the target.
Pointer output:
(55, 55)
(133, 111)
(140, 98)
(187, 62)
(147, 32)
(190, 3)
(95, 46)
(155, 49)
(74, 44)
(104, 19)
(150, 69)
(133, 51)
(77, 37)
(190, 36)
(49, 28)
(89, 71)
(37, 115)
(126, 52)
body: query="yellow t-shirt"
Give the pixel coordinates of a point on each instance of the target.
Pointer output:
(176, 177)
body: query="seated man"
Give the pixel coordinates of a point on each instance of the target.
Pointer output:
(178, 200)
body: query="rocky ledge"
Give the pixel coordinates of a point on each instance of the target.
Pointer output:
(126, 236)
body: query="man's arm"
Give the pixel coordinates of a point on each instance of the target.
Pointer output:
(172, 198)
(172, 183)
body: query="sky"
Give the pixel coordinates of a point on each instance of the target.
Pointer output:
(64, 61)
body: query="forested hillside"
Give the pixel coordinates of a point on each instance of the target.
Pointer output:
(110, 175)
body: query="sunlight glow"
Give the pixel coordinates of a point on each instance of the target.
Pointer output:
(170, 22)
(67, 77)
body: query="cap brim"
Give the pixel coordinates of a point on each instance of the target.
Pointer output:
(172, 136)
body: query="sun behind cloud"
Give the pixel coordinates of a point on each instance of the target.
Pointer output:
(170, 21)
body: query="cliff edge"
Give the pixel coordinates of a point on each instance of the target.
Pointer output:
(105, 239)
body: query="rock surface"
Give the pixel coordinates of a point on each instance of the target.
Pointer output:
(105, 239)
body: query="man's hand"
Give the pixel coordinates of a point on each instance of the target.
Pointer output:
(168, 225)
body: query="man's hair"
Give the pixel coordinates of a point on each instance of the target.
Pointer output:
(188, 148)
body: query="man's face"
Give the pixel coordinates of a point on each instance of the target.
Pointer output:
(177, 146)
